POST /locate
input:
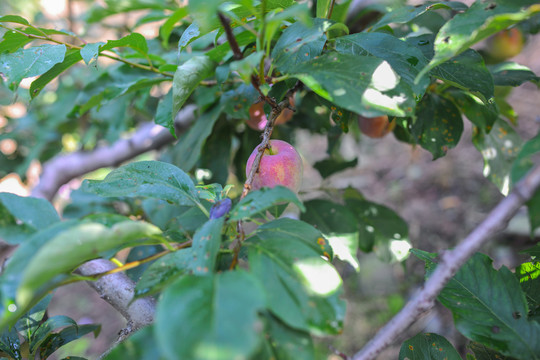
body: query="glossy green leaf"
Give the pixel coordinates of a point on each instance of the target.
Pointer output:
(428, 346)
(205, 247)
(163, 115)
(489, 306)
(302, 289)
(467, 71)
(480, 114)
(187, 151)
(339, 226)
(47, 327)
(222, 324)
(23, 215)
(382, 230)
(168, 26)
(257, 201)
(405, 14)
(71, 248)
(526, 159)
(14, 19)
(299, 43)
(13, 41)
(512, 74)
(140, 346)
(134, 41)
(475, 24)
(187, 77)
(10, 344)
(285, 343)
(438, 125)
(528, 275)
(499, 149)
(72, 57)
(153, 179)
(71, 333)
(405, 59)
(190, 34)
(363, 84)
(28, 324)
(30, 62)
(163, 272)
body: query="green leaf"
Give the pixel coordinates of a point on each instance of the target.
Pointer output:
(14, 19)
(381, 230)
(499, 149)
(438, 125)
(467, 71)
(528, 275)
(339, 226)
(292, 269)
(71, 333)
(481, 352)
(163, 272)
(475, 24)
(47, 327)
(363, 84)
(134, 41)
(221, 311)
(328, 167)
(90, 52)
(24, 215)
(407, 60)
(163, 115)
(428, 346)
(190, 34)
(286, 343)
(257, 201)
(205, 247)
(236, 102)
(405, 14)
(71, 248)
(167, 27)
(153, 179)
(187, 151)
(30, 62)
(187, 77)
(299, 43)
(323, 6)
(13, 41)
(140, 346)
(29, 323)
(482, 115)
(219, 52)
(489, 306)
(10, 343)
(72, 57)
(512, 74)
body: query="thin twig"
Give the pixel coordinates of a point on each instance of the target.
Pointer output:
(230, 36)
(449, 264)
(331, 9)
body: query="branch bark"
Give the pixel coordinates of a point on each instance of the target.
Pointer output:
(450, 263)
(64, 168)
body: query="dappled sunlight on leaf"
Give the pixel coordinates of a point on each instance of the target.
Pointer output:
(319, 277)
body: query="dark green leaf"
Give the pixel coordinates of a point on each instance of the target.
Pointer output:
(236, 102)
(328, 167)
(219, 52)
(257, 201)
(163, 115)
(65, 336)
(140, 346)
(512, 74)
(428, 346)
(28, 324)
(481, 352)
(528, 156)
(216, 153)
(72, 57)
(299, 43)
(499, 149)
(405, 59)
(363, 84)
(140, 253)
(292, 268)
(475, 24)
(338, 225)
(480, 114)
(10, 344)
(30, 62)
(71, 248)
(205, 247)
(438, 126)
(381, 230)
(187, 77)
(489, 306)
(187, 151)
(287, 343)
(48, 326)
(191, 33)
(163, 272)
(222, 324)
(146, 178)
(134, 40)
(467, 71)
(167, 27)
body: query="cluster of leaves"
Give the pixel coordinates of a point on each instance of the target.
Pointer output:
(412, 63)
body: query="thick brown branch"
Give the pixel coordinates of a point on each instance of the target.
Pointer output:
(61, 169)
(450, 263)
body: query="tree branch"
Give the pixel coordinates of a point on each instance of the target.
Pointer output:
(450, 263)
(149, 136)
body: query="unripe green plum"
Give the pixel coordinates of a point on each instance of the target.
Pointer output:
(505, 44)
(376, 127)
(281, 164)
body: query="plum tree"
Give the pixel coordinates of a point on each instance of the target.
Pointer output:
(281, 164)
(376, 127)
